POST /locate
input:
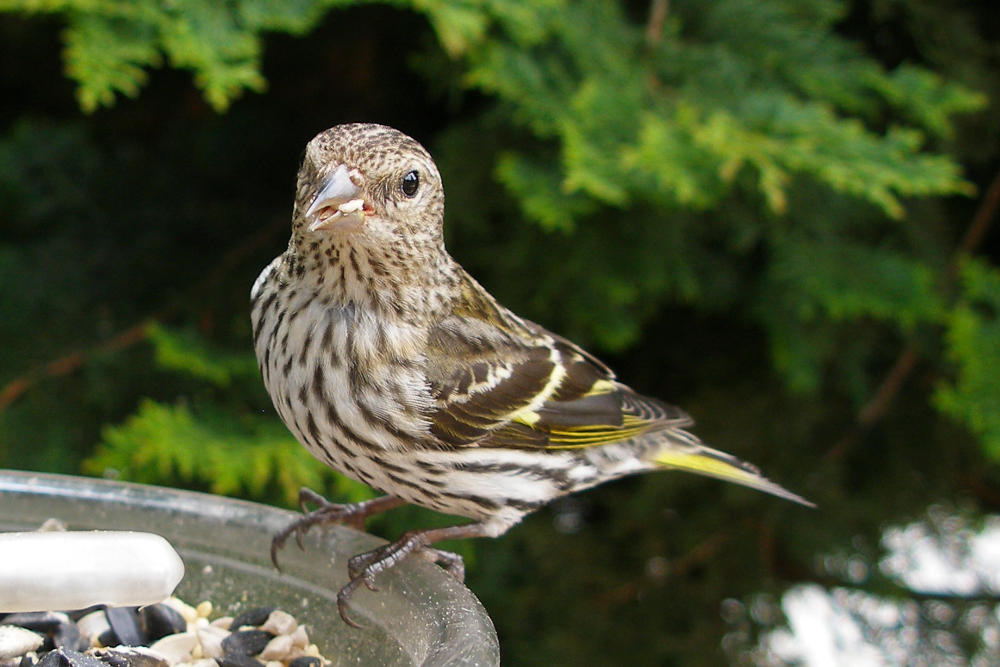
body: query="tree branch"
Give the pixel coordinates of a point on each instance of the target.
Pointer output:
(881, 401)
(658, 10)
(68, 363)
(72, 361)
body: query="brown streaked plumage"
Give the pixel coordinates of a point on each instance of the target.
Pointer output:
(392, 365)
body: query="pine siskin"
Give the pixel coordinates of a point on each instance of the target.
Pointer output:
(393, 366)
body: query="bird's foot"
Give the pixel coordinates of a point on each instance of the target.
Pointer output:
(362, 568)
(349, 514)
(366, 565)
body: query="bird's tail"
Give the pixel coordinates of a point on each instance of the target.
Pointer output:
(697, 458)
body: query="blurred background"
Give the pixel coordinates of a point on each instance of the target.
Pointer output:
(779, 215)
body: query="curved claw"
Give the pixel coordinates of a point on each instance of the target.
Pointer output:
(343, 597)
(276, 546)
(366, 576)
(278, 541)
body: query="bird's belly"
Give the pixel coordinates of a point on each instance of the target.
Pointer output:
(349, 388)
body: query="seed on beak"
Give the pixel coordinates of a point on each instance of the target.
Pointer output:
(351, 206)
(347, 215)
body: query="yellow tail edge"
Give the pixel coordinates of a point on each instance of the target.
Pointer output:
(722, 466)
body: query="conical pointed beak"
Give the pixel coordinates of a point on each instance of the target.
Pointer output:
(337, 204)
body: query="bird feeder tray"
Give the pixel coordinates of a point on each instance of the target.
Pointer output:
(420, 615)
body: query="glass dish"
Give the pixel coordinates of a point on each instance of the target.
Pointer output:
(419, 616)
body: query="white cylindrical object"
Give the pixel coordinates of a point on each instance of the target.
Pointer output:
(44, 571)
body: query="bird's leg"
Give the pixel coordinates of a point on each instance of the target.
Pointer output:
(363, 567)
(350, 514)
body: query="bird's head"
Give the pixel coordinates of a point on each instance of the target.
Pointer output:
(369, 182)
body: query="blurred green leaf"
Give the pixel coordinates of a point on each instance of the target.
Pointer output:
(206, 447)
(973, 340)
(187, 352)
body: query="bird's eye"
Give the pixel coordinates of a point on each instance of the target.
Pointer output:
(410, 183)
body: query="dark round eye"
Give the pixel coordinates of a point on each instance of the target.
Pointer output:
(410, 183)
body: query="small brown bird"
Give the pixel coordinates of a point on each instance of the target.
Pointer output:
(393, 366)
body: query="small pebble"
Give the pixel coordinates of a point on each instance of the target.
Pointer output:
(58, 629)
(50, 525)
(184, 609)
(238, 661)
(210, 638)
(129, 656)
(93, 625)
(15, 641)
(277, 649)
(160, 620)
(280, 623)
(63, 657)
(246, 642)
(204, 609)
(55, 658)
(175, 648)
(305, 661)
(204, 662)
(106, 638)
(253, 617)
(42, 621)
(124, 621)
(299, 637)
(181, 636)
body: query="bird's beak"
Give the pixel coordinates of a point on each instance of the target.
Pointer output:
(337, 205)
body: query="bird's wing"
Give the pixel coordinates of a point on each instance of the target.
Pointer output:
(498, 381)
(511, 383)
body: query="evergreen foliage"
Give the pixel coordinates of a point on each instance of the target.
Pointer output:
(973, 346)
(751, 208)
(211, 441)
(205, 448)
